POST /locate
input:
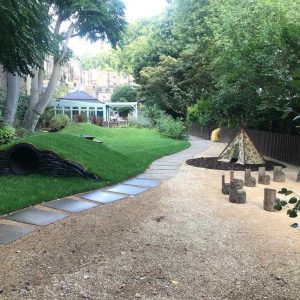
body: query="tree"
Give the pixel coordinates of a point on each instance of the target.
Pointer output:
(25, 36)
(91, 19)
(25, 40)
(239, 57)
(124, 93)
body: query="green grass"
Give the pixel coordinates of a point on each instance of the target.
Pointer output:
(125, 152)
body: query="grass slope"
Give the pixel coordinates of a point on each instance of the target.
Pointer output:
(125, 152)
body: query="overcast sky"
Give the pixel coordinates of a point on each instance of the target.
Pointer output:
(135, 9)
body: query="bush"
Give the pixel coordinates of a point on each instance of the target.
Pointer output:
(140, 122)
(154, 114)
(97, 120)
(21, 132)
(44, 121)
(172, 128)
(7, 135)
(21, 110)
(80, 118)
(202, 113)
(59, 122)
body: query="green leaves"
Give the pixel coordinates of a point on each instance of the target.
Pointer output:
(293, 200)
(285, 192)
(291, 212)
(278, 207)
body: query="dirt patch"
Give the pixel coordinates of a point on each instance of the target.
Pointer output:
(214, 164)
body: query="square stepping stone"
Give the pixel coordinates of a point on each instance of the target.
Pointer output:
(102, 197)
(142, 182)
(70, 205)
(127, 189)
(143, 177)
(36, 216)
(10, 233)
(161, 167)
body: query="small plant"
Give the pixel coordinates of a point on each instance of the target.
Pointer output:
(59, 122)
(294, 200)
(140, 122)
(97, 120)
(154, 114)
(7, 135)
(80, 118)
(44, 121)
(172, 128)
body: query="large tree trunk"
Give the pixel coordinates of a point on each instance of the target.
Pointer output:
(12, 98)
(37, 108)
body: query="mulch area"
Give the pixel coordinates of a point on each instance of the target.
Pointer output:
(213, 163)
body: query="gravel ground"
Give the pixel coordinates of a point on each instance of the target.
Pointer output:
(182, 240)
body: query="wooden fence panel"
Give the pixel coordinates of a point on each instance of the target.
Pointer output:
(283, 147)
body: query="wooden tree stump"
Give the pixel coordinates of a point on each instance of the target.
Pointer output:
(249, 181)
(269, 200)
(236, 195)
(225, 186)
(262, 177)
(240, 182)
(298, 176)
(278, 175)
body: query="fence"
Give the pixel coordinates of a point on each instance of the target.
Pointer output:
(283, 147)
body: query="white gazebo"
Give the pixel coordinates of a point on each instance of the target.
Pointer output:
(80, 103)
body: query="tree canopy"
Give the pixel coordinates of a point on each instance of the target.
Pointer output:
(240, 57)
(124, 93)
(25, 35)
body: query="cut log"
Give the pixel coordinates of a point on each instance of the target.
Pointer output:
(269, 200)
(278, 175)
(298, 176)
(262, 177)
(249, 181)
(236, 195)
(225, 186)
(240, 182)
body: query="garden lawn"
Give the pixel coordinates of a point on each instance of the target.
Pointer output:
(125, 152)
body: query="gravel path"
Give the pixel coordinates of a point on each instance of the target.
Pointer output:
(182, 240)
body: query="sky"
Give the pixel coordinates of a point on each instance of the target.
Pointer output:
(135, 9)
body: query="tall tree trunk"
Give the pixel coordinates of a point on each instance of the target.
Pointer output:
(35, 92)
(12, 98)
(34, 113)
(36, 110)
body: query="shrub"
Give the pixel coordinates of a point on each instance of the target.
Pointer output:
(97, 120)
(202, 113)
(154, 114)
(7, 135)
(140, 122)
(172, 128)
(80, 118)
(21, 132)
(44, 121)
(59, 122)
(21, 110)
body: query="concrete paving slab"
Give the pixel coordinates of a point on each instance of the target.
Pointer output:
(36, 216)
(142, 182)
(71, 205)
(10, 233)
(161, 167)
(102, 196)
(127, 189)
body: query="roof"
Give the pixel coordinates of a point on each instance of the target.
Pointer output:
(81, 97)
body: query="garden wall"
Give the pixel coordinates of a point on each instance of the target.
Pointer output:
(283, 147)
